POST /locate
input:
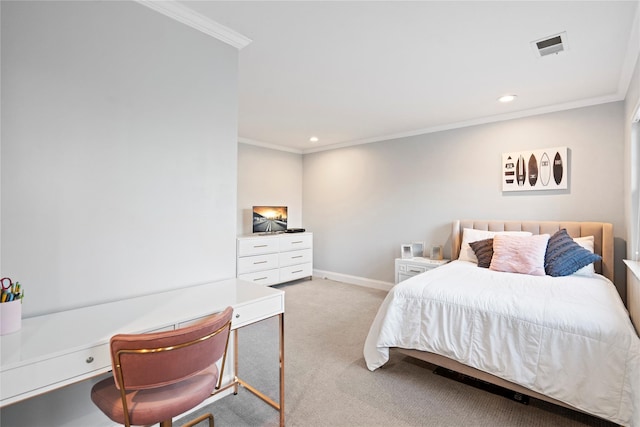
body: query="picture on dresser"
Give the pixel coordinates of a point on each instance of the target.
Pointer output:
(436, 252)
(417, 249)
(406, 251)
(269, 219)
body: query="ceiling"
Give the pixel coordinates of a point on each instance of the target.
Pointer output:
(352, 72)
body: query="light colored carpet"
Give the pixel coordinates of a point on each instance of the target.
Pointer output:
(328, 384)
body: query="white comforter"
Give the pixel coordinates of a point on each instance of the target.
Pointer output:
(569, 338)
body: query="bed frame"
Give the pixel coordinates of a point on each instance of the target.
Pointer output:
(603, 246)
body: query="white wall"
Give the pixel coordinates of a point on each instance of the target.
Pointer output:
(119, 164)
(364, 201)
(268, 177)
(119, 130)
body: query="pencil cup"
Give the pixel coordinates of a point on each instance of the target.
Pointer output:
(10, 317)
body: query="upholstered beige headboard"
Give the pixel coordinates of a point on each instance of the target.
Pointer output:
(602, 233)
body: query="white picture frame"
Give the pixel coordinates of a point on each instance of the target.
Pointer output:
(417, 249)
(406, 251)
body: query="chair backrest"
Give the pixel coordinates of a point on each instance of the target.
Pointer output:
(143, 361)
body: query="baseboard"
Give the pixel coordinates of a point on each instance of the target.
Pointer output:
(353, 280)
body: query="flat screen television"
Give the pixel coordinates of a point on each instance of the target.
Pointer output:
(269, 219)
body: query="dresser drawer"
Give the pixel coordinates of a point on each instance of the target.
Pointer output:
(267, 277)
(294, 272)
(257, 263)
(257, 246)
(47, 373)
(295, 241)
(295, 257)
(257, 311)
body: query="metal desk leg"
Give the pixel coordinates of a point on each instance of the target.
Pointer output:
(279, 406)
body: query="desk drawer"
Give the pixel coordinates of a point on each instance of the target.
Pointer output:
(59, 369)
(257, 246)
(267, 277)
(257, 263)
(256, 311)
(295, 257)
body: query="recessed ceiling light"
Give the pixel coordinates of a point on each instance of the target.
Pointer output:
(313, 139)
(507, 98)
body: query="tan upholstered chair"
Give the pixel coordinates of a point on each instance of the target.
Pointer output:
(161, 375)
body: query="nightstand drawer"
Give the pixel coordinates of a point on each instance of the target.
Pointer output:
(257, 263)
(406, 268)
(295, 257)
(416, 269)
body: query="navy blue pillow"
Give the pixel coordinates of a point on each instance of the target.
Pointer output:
(564, 256)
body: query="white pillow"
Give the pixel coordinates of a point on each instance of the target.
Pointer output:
(471, 235)
(587, 243)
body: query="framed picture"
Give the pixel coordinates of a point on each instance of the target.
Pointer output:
(406, 251)
(533, 170)
(417, 249)
(436, 252)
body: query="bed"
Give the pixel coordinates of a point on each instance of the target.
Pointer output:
(567, 340)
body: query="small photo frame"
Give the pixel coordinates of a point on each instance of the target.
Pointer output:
(417, 249)
(436, 252)
(406, 251)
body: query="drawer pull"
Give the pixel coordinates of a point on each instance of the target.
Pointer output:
(260, 246)
(237, 316)
(415, 271)
(298, 256)
(298, 241)
(89, 359)
(260, 278)
(297, 271)
(259, 262)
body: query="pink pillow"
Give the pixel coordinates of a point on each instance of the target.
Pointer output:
(519, 254)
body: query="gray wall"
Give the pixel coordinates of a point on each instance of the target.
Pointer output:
(364, 201)
(119, 164)
(268, 177)
(119, 156)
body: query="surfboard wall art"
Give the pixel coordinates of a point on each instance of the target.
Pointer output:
(543, 169)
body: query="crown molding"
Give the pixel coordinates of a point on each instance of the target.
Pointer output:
(269, 145)
(451, 126)
(481, 121)
(193, 19)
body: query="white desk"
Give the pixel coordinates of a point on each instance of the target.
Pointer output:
(59, 349)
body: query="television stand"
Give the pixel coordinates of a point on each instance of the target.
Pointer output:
(274, 258)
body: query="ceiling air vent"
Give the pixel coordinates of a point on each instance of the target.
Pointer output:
(550, 45)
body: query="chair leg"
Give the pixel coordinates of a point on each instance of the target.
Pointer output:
(166, 423)
(201, 418)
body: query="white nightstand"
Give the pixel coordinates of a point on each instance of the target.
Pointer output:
(408, 267)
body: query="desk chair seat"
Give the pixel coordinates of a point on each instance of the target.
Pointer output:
(158, 376)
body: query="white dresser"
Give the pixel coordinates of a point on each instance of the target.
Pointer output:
(275, 258)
